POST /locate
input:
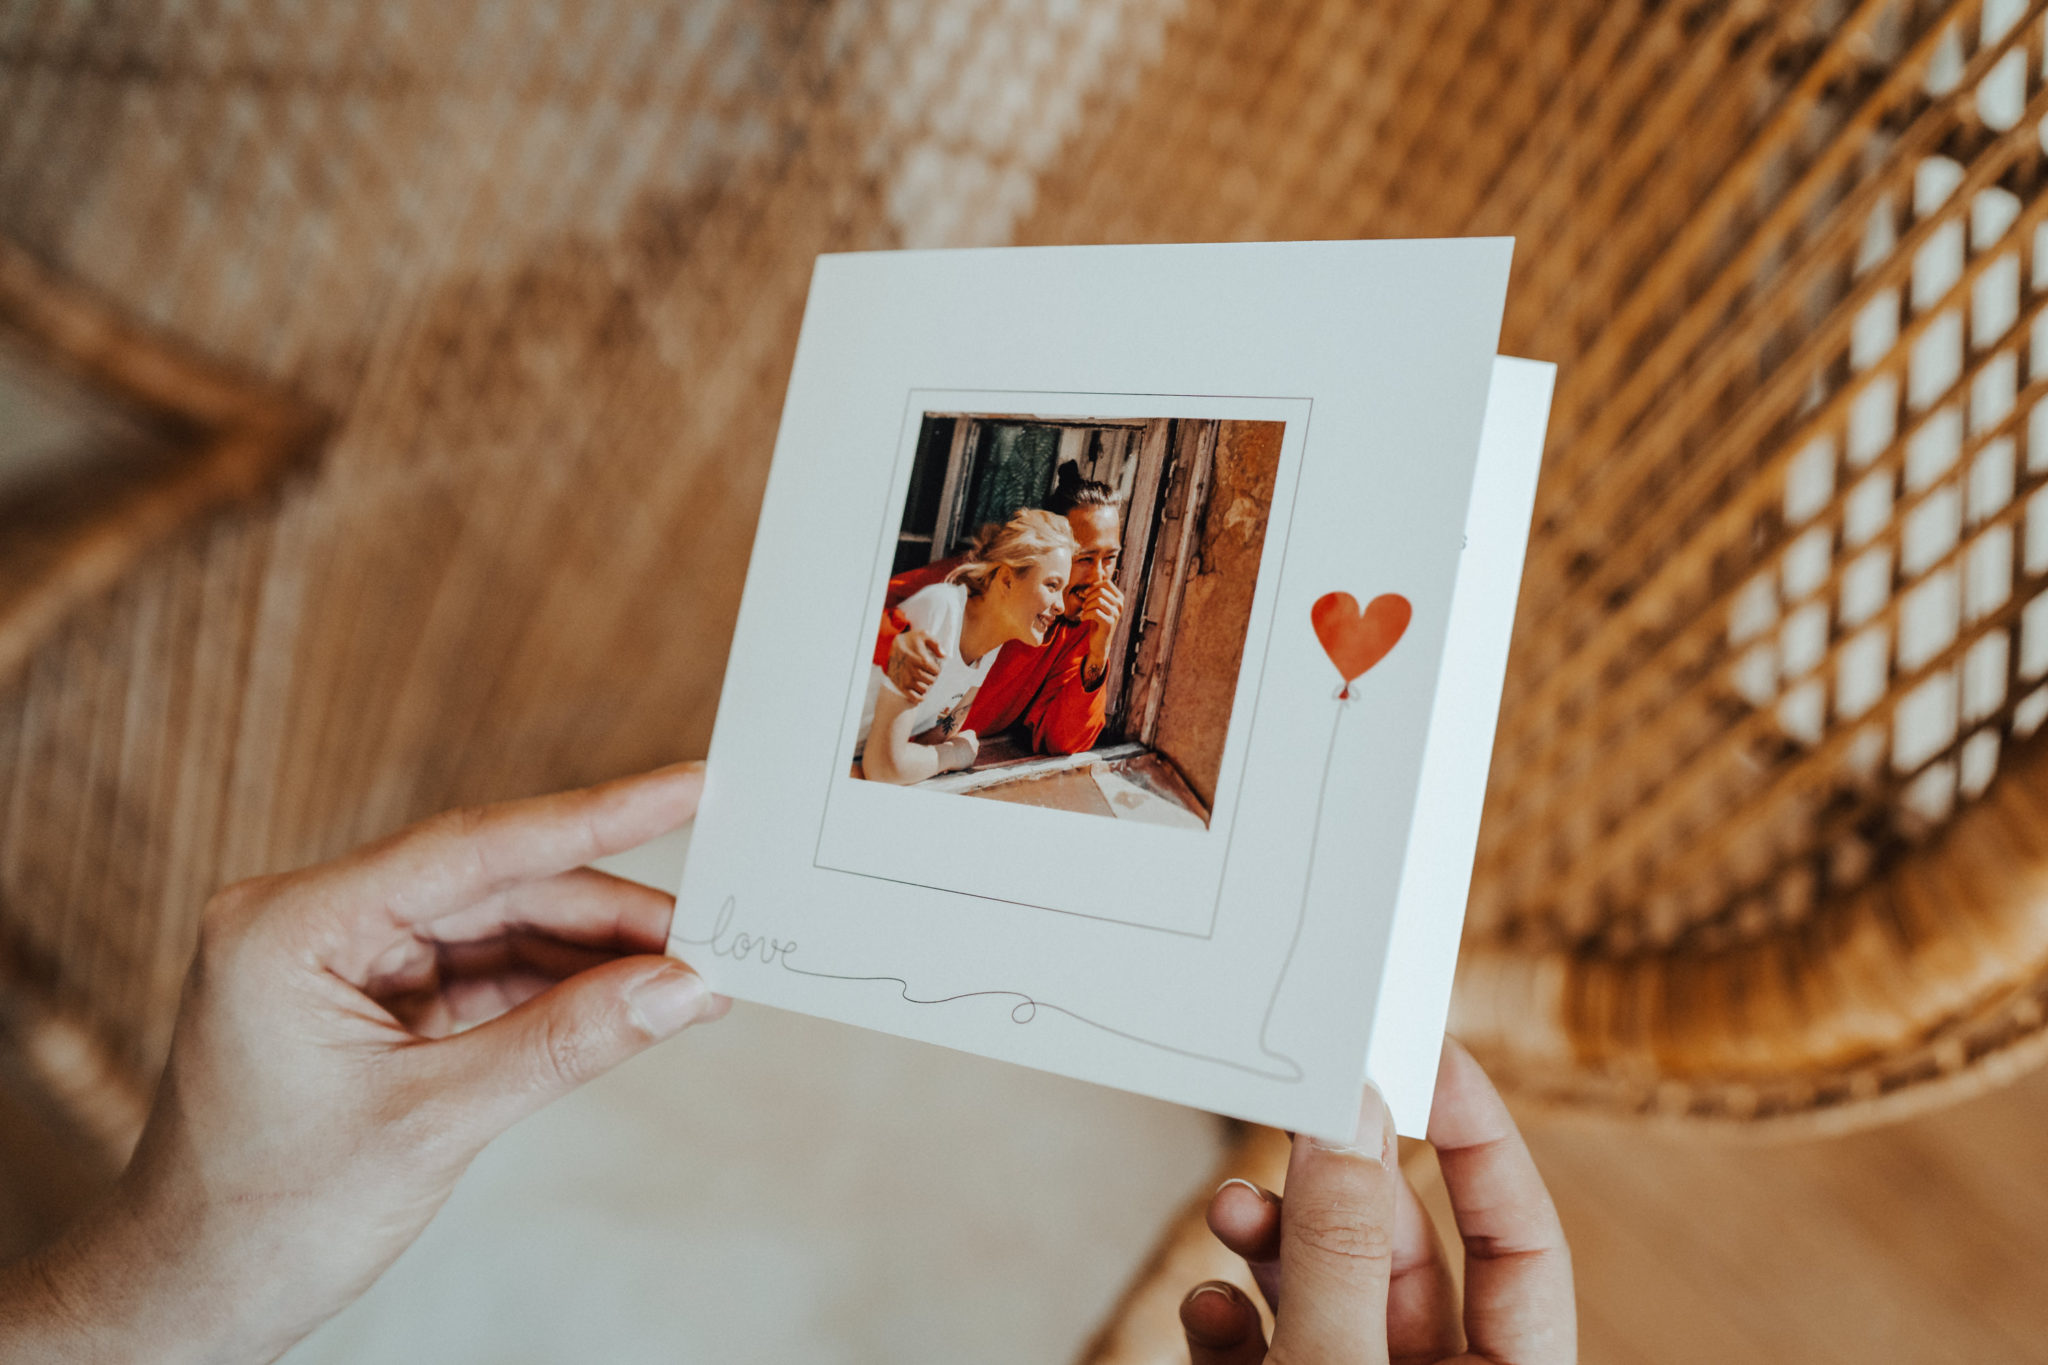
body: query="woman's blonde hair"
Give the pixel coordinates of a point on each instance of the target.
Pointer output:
(1025, 538)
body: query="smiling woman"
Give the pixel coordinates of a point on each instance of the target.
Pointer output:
(1009, 587)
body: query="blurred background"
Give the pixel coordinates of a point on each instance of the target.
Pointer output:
(386, 393)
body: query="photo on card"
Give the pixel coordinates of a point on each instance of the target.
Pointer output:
(1062, 639)
(1067, 610)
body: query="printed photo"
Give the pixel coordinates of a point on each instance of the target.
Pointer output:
(1067, 611)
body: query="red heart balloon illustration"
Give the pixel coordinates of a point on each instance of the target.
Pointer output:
(1356, 640)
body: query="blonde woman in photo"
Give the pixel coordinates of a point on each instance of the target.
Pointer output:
(1010, 587)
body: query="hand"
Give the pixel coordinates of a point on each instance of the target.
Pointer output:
(914, 662)
(1363, 1274)
(1102, 606)
(959, 752)
(351, 1035)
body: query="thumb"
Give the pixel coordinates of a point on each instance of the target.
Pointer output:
(573, 1032)
(1337, 1244)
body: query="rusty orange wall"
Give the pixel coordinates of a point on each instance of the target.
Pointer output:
(1201, 676)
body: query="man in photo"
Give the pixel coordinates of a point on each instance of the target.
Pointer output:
(1053, 688)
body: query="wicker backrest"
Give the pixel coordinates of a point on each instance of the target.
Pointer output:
(544, 266)
(1785, 613)
(1781, 617)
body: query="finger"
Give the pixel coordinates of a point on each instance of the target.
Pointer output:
(1422, 1303)
(518, 950)
(1337, 1242)
(1422, 1299)
(1221, 1325)
(576, 919)
(456, 859)
(481, 962)
(572, 1033)
(583, 906)
(1246, 1219)
(470, 982)
(458, 1005)
(1518, 1270)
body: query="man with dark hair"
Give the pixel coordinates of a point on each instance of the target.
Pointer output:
(1054, 689)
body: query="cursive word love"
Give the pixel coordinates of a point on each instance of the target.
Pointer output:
(724, 941)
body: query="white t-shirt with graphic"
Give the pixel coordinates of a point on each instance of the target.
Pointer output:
(938, 611)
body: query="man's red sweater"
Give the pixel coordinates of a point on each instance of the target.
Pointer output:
(1040, 685)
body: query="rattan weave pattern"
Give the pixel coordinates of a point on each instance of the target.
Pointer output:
(543, 264)
(1778, 622)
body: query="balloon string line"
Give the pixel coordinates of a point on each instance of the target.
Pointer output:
(723, 941)
(1308, 884)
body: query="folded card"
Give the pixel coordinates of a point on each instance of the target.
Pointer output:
(1116, 674)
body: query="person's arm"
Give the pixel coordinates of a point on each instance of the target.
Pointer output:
(893, 625)
(903, 651)
(351, 1036)
(1365, 1279)
(892, 756)
(911, 659)
(1067, 715)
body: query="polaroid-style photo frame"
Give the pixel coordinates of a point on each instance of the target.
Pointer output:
(1199, 488)
(1181, 857)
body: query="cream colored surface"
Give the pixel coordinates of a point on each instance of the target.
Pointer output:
(776, 1188)
(781, 1189)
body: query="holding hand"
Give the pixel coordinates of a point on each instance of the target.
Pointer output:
(320, 1101)
(914, 662)
(1350, 1263)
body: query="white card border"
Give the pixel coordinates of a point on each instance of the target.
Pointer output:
(1397, 331)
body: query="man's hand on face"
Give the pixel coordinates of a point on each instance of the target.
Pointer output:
(914, 662)
(1102, 606)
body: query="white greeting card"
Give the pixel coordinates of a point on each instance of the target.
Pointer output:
(1116, 674)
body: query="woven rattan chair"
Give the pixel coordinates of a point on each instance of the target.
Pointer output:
(1764, 842)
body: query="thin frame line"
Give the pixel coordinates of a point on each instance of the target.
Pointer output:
(1258, 686)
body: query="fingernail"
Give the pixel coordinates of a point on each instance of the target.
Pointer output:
(1375, 1131)
(1232, 1332)
(1221, 1291)
(669, 1001)
(1256, 1191)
